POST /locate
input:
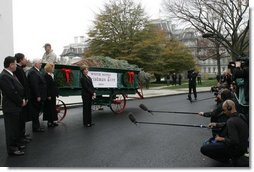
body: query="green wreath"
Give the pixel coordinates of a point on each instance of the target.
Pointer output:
(126, 82)
(61, 80)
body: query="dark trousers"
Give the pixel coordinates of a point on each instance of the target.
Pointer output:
(174, 82)
(12, 130)
(49, 110)
(87, 109)
(191, 87)
(199, 81)
(36, 108)
(219, 151)
(22, 122)
(216, 151)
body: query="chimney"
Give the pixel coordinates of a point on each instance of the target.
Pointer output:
(76, 39)
(82, 39)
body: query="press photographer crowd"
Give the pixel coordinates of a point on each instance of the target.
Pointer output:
(230, 118)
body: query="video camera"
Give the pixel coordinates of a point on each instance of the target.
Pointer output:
(190, 71)
(231, 65)
(244, 62)
(215, 90)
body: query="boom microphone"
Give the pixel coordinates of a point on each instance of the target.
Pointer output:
(142, 106)
(132, 119)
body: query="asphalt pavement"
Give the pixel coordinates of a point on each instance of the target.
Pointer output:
(115, 142)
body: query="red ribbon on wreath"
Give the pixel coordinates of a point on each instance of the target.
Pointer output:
(67, 74)
(130, 77)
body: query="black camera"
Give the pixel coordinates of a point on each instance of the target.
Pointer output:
(244, 61)
(214, 89)
(231, 65)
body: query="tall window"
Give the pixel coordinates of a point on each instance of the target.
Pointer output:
(204, 69)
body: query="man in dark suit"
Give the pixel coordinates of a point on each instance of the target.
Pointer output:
(25, 115)
(192, 75)
(13, 101)
(38, 92)
(174, 78)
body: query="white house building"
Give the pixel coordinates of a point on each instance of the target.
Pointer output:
(189, 37)
(74, 52)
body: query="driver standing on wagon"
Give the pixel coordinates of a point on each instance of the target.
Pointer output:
(49, 56)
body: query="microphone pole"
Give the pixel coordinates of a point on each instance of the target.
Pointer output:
(143, 107)
(133, 120)
(174, 112)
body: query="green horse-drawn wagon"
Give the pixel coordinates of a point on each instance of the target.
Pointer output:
(112, 86)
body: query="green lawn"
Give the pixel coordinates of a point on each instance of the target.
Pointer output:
(205, 83)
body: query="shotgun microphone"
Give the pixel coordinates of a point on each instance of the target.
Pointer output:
(144, 108)
(132, 118)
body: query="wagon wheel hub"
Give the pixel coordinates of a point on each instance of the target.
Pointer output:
(118, 103)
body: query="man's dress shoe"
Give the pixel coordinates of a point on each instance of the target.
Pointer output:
(17, 153)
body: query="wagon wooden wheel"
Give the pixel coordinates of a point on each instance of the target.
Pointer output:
(118, 103)
(61, 109)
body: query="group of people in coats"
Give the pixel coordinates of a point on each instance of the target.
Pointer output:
(25, 95)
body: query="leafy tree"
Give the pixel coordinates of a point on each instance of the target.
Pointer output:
(147, 51)
(159, 54)
(116, 28)
(177, 57)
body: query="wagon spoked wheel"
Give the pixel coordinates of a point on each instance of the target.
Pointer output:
(61, 109)
(118, 103)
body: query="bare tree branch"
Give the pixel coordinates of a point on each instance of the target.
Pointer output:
(227, 20)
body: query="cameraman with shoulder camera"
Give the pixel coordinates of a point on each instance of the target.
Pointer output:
(241, 78)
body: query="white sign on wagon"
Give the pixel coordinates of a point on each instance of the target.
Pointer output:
(103, 79)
